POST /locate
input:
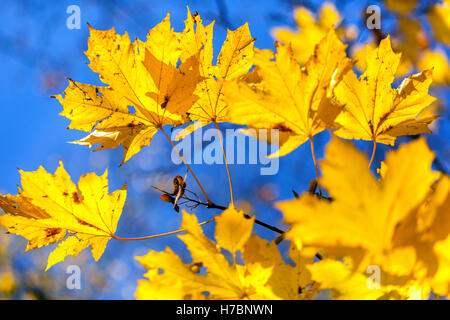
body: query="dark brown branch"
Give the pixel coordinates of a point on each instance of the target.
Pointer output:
(220, 207)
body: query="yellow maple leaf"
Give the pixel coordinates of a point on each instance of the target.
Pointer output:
(373, 109)
(410, 39)
(232, 231)
(52, 209)
(264, 276)
(234, 61)
(438, 15)
(7, 282)
(436, 59)
(143, 75)
(310, 30)
(441, 279)
(347, 284)
(343, 282)
(379, 217)
(289, 98)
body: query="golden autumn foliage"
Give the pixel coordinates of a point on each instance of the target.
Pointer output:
(396, 226)
(141, 74)
(52, 209)
(394, 223)
(234, 60)
(264, 275)
(373, 110)
(290, 98)
(310, 29)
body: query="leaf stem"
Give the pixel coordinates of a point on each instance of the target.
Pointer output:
(187, 165)
(158, 235)
(315, 163)
(226, 162)
(373, 152)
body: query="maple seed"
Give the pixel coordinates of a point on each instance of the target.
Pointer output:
(178, 182)
(167, 198)
(312, 186)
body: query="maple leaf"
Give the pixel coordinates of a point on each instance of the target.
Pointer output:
(428, 228)
(264, 275)
(286, 281)
(409, 39)
(343, 282)
(438, 17)
(346, 284)
(310, 30)
(289, 98)
(359, 198)
(233, 61)
(438, 60)
(52, 209)
(146, 89)
(373, 109)
(441, 279)
(232, 232)
(379, 218)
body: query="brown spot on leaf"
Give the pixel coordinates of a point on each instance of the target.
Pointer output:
(52, 231)
(164, 104)
(384, 117)
(84, 223)
(281, 127)
(76, 198)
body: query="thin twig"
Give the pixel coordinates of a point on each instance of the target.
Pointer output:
(220, 207)
(226, 162)
(158, 235)
(315, 163)
(187, 165)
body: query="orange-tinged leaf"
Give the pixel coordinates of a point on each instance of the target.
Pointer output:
(51, 209)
